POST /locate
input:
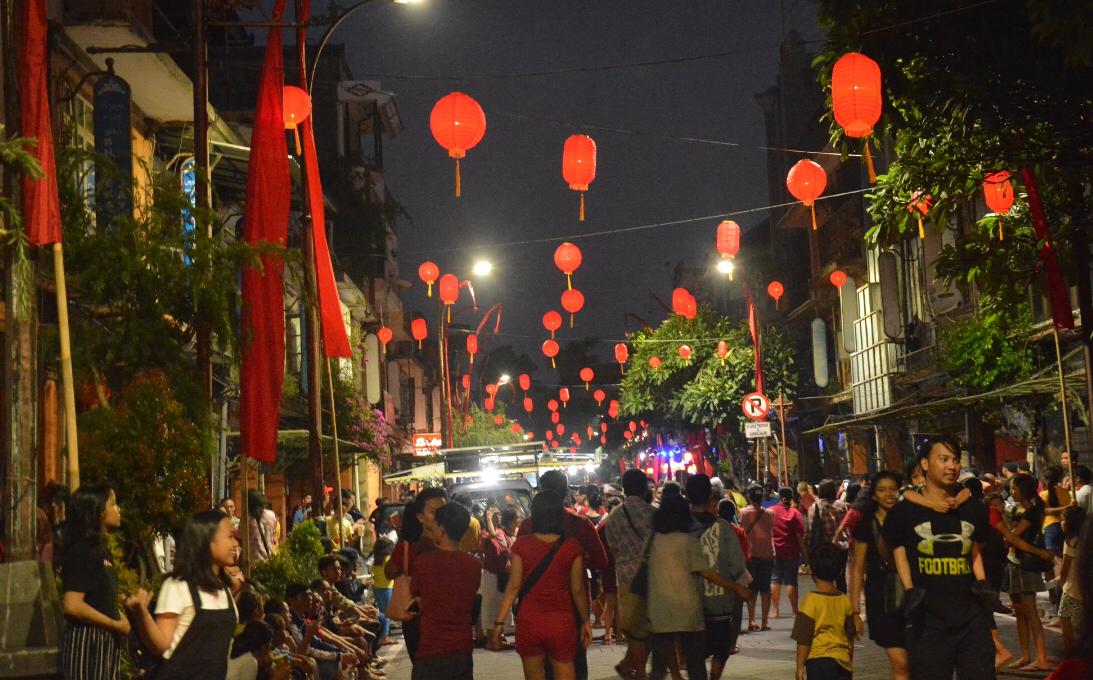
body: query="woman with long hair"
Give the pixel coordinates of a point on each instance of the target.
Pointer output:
(91, 647)
(1023, 577)
(548, 577)
(874, 572)
(1070, 603)
(195, 615)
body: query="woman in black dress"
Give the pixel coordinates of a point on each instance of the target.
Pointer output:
(94, 629)
(873, 565)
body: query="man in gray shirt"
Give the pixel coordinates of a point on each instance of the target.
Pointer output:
(627, 529)
(1083, 489)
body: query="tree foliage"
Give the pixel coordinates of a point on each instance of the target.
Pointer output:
(297, 561)
(988, 349)
(480, 428)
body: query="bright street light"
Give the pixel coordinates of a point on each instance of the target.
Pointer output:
(482, 268)
(505, 379)
(725, 266)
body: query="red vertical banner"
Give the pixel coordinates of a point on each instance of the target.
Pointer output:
(41, 205)
(753, 327)
(1061, 312)
(266, 214)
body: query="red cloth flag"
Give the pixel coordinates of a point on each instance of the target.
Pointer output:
(1061, 312)
(753, 326)
(269, 188)
(41, 205)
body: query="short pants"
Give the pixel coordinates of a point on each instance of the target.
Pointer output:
(760, 570)
(1070, 608)
(633, 615)
(549, 634)
(785, 572)
(719, 638)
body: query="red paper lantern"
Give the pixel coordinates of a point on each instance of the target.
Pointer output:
(563, 396)
(489, 403)
(529, 405)
(775, 289)
(654, 362)
(555, 417)
(491, 389)
(728, 239)
(628, 435)
(549, 435)
(998, 193)
(525, 381)
(920, 203)
(572, 302)
(428, 272)
(458, 124)
(516, 428)
(587, 375)
(579, 164)
(296, 107)
(685, 353)
(472, 346)
(419, 330)
(567, 258)
(690, 309)
(806, 181)
(449, 292)
(603, 440)
(497, 420)
(550, 350)
(552, 321)
(622, 355)
(590, 432)
(856, 98)
(613, 409)
(560, 429)
(838, 278)
(603, 427)
(633, 427)
(680, 300)
(385, 336)
(531, 435)
(722, 351)
(552, 405)
(599, 396)
(466, 381)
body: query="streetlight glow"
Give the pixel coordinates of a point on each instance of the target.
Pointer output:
(725, 266)
(482, 268)
(505, 379)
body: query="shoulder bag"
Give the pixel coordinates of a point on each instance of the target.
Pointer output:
(1032, 562)
(893, 585)
(401, 597)
(640, 584)
(536, 574)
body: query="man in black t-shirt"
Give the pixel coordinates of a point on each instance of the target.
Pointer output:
(938, 559)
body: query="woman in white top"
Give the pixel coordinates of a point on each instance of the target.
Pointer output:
(195, 614)
(263, 527)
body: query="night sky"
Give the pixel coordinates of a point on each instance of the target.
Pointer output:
(512, 184)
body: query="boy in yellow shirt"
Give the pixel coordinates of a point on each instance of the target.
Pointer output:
(824, 626)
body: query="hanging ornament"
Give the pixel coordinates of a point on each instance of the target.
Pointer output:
(632, 426)
(622, 355)
(603, 440)
(837, 278)
(385, 336)
(728, 242)
(466, 381)
(856, 98)
(563, 396)
(603, 428)
(722, 351)
(572, 302)
(552, 405)
(550, 350)
(590, 432)
(296, 108)
(567, 258)
(497, 420)
(549, 435)
(806, 181)
(587, 375)
(516, 428)
(472, 346)
(458, 124)
(690, 308)
(685, 353)
(529, 405)
(489, 404)
(560, 429)
(552, 321)
(449, 292)
(491, 390)
(613, 409)
(599, 396)
(680, 300)
(419, 330)
(555, 417)
(920, 205)
(775, 290)
(525, 381)
(654, 362)
(998, 193)
(579, 164)
(628, 435)
(428, 272)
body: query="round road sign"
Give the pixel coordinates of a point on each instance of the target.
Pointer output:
(756, 406)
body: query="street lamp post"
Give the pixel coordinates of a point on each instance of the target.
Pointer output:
(334, 25)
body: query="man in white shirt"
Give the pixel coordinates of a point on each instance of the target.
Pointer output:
(1083, 488)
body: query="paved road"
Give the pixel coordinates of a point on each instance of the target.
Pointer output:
(763, 656)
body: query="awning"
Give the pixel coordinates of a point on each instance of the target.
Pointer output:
(432, 472)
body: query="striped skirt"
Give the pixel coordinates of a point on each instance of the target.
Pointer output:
(89, 653)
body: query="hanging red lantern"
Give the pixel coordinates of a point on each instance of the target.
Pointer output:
(572, 302)
(516, 428)
(555, 417)
(654, 362)
(458, 124)
(489, 403)
(603, 440)
(563, 396)
(530, 435)
(613, 409)
(690, 307)
(560, 429)
(491, 390)
(728, 239)
(529, 405)
(472, 346)
(722, 351)
(838, 278)
(579, 164)
(632, 426)
(549, 435)
(385, 336)
(856, 98)
(497, 420)
(296, 108)
(685, 353)
(552, 405)
(466, 381)
(622, 355)
(567, 258)
(680, 301)
(449, 292)
(603, 428)
(599, 396)
(590, 432)
(429, 273)
(919, 205)
(806, 181)
(550, 350)
(552, 321)
(998, 193)
(628, 435)
(419, 330)
(775, 290)
(587, 375)
(525, 381)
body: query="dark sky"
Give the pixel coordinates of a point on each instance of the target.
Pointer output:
(512, 184)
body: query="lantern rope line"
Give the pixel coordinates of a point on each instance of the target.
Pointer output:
(640, 227)
(931, 17)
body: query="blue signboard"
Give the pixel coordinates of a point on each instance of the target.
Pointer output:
(114, 143)
(189, 226)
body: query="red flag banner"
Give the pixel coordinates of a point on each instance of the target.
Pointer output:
(753, 326)
(41, 205)
(1061, 312)
(269, 188)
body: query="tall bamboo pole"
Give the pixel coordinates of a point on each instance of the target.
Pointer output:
(71, 441)
(340, 540)
(1066, 409)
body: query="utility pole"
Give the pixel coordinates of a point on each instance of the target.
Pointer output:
(202, 194)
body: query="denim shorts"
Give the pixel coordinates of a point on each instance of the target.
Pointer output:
(785, 572)
(1053, 538)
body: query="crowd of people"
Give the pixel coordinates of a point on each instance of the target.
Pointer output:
(918, 560)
